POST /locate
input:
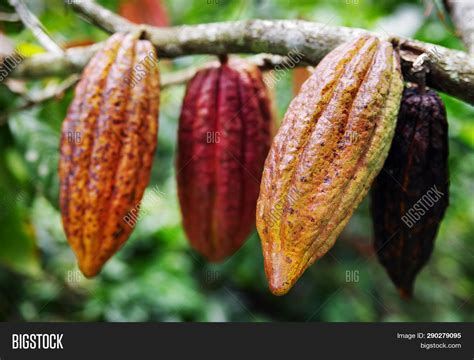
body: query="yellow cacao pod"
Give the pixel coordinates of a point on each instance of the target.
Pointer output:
(107, 148)
(332, 143)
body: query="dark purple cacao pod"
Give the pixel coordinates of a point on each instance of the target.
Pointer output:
(410, 195)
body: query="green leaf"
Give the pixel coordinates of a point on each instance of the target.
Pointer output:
(18, 249)
(39, 144)
(17, 241)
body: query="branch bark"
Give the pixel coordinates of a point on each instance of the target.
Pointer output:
(449, 70)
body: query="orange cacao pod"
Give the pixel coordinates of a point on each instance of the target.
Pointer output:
(107, 147)
(300, 75)
(410, 196)
(332, 143)
(223, 139)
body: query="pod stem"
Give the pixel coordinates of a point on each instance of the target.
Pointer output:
(140, 32)
(419, 69)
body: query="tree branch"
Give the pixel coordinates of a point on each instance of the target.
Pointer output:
(449, 71)
(32, 23)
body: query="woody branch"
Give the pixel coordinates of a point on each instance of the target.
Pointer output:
(449, 71)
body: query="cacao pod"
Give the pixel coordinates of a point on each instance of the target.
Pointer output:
(300, 75)
(410, 195)
(150, 12)
(332, 143)
(223, 139)
(107, 148)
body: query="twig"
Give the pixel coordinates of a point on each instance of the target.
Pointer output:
(49, 64)
(450, 71)
(178, 77)
(48, 93)
(263, 61)
(104, 18)
(74, 59)
(32, 99)
(9, 17)
(462, 13)
(32, 23)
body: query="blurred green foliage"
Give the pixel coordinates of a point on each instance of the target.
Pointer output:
(156, 276)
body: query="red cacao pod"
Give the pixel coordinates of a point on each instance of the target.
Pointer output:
(151, 12)
(223, 139)
(410, 195)
(107, 148)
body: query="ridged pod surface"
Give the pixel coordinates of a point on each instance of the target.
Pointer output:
(332, 143)
(410, 195)
(107, 148)
(223, 139)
